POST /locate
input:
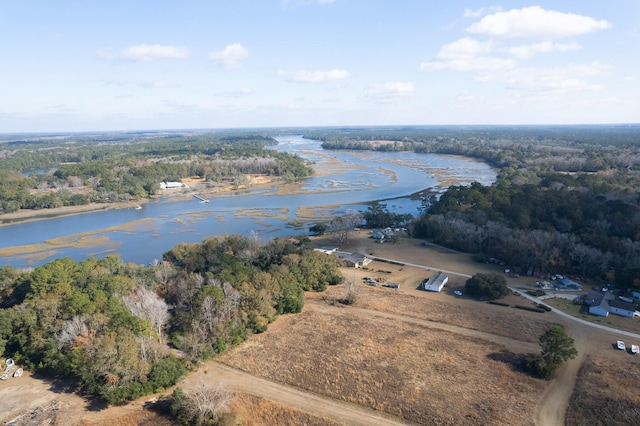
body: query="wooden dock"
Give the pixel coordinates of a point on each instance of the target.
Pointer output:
(202, 200)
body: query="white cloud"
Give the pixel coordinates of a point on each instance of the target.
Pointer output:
(570, 78)
(145, 52)
(467, 54)
(529, 50)
(464, 48)
(470, 13)
(232, 55)
(390, 90)
(536, 22)
(315, 76)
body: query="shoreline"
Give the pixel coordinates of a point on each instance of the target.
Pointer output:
(25, 216)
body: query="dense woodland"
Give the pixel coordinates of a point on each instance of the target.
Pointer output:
(110, 168)
(123, 330)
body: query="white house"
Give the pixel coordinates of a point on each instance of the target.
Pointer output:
(171, 185)
(327, 249)
(435, 282)
(597, 304)
(625, 309)
(355, 260)
(601, 304)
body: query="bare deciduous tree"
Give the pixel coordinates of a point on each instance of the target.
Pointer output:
(72, 329)
(344, 224)
(147, 305)
(204, 401)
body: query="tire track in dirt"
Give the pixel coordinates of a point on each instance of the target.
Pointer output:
(321, 406)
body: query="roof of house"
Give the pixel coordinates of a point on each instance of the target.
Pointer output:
(355, 258)
(564, 283)
(631, 307)
(594, 298)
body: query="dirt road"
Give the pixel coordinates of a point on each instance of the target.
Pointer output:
(318, 405)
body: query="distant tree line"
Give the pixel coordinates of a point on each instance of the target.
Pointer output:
(84, 172)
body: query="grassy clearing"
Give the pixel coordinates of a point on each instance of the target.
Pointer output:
(606, 392)
(474, 315)
(420, 374)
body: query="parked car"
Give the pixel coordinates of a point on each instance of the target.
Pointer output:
(457, 292)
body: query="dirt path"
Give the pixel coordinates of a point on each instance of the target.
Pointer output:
(339, 411)
(552, 407)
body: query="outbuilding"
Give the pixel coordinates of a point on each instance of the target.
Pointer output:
(435, 283)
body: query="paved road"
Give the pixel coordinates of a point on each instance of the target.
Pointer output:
(580, 320)
(524, 294)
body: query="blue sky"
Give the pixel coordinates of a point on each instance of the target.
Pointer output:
(154, 64)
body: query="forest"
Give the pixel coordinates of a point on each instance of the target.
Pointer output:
(123, 330)
(43, 173)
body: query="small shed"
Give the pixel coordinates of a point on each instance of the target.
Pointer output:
(435, 283)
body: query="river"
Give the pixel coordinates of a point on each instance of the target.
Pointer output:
(344, 179)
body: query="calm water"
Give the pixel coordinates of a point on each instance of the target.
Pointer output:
(348, 179)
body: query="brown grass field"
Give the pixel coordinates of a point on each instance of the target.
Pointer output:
(417, 357)
(423, 375)
(606, 393)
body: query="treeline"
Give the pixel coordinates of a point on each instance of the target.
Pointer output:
(565, 199)
(522, 153)
(123, 330)
(80, 173)
(563, 225)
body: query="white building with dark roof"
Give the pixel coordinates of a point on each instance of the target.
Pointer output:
(435, 282)
(602, 304)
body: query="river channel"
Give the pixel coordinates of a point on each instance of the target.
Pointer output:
(343, 180)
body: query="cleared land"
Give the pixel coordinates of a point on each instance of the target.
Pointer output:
(421, 374)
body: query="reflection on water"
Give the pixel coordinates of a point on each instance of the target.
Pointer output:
(345, 179)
